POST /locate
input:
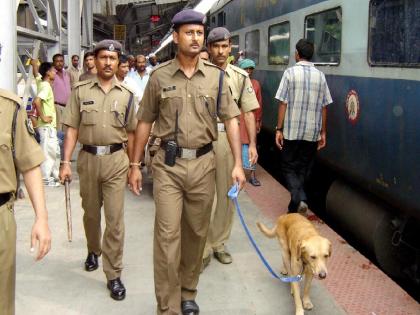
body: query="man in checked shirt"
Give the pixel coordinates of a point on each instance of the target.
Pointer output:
(302, 122)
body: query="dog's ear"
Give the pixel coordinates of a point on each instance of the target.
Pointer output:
(300, 248)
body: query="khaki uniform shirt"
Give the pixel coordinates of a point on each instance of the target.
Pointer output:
(169, 91)
(75, 73)
(87, 76)
(236, 77)
(100, 117)
(27, 151)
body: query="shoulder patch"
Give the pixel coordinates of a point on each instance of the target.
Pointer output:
(11, 96)
(29, 127)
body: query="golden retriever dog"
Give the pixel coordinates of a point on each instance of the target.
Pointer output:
(303, 251)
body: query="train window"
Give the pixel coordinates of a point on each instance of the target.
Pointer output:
(324, 30)
(394, 28)
(279, 44)
(235, 45)
(221, 19)
(252, 45)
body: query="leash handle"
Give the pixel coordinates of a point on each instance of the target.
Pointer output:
(233, 195)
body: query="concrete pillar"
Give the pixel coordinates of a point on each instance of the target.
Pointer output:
(8, 68)
(56, 10)
(73, 28)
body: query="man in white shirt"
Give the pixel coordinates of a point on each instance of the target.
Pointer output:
(122, 76)
(140, 77)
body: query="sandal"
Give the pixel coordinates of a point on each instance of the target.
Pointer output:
(254, 181)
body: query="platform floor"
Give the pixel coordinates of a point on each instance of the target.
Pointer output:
(59, 285)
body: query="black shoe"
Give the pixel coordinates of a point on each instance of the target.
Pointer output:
(190, 308)
(117, 289)
(91, 262)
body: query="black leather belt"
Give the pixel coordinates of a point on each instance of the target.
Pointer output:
(185, 153)
(5, 197)
(102, 149)
(61, 104)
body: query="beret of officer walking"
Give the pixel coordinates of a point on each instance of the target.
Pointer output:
(108, 44)
(188, 16)
(218, 34)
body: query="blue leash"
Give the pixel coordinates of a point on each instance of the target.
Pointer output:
(233, 194)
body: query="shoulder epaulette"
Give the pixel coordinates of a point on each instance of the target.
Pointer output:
(11, 96)
(208, 63)
(159, 66)
(239, 70)
(80, 83)
(125, 86)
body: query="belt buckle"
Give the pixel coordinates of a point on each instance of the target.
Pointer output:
(188, 154)
(103, 150)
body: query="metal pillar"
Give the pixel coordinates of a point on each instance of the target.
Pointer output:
(73, 28)
(8, 45)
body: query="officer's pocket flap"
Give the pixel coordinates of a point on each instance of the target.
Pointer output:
(88, 106)
(88, 112)
(171, 102)
(170, 94)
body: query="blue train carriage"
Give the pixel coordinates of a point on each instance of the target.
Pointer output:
(370, 54)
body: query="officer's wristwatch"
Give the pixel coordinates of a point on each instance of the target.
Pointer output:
(279, 129)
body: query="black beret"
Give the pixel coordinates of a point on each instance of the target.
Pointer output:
(218, 34)
(188, 16)
(108, 44)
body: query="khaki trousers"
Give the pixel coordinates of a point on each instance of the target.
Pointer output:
(223, 209)
(59, 111)
(7, 259)
(102, 182)
(183, 197)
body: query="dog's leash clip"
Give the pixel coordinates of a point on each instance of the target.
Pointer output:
(233, 194)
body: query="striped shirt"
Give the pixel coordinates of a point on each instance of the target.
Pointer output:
(305, 90)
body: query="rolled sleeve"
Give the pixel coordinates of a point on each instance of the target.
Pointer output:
(283, 90)
(148, 110)
(71, 116)
(327, 99)
(28, 152)
(228, 108)
(249, 100)
(131, 119)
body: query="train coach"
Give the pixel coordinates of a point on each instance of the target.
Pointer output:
(370, 54)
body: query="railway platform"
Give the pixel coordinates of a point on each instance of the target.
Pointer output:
(59, 285)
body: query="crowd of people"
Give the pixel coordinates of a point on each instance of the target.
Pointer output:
(206, 112)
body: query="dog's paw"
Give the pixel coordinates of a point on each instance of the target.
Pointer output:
(283, 271)
(300, 312)
(307, 304)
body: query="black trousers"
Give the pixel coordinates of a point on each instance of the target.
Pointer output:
(297, 159)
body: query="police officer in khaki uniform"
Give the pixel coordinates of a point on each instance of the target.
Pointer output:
(101, 116)
(18, 150)
(219, 47)
(181, 98)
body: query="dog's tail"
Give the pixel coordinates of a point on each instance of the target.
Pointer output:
(269, 233)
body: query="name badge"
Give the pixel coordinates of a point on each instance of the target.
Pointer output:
(88, 103)
(169, 88)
